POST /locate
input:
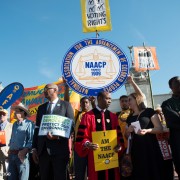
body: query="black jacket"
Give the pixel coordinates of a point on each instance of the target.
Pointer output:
(59, 146)
(171, 110)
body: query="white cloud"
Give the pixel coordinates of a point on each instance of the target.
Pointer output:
(47, 72)
(138, 34)
(46, 68)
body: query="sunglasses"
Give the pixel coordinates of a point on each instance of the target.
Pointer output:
(46, 89)
(2, 114)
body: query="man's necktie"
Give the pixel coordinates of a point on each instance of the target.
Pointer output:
(49, 108)
(104, 128)
(103, 121)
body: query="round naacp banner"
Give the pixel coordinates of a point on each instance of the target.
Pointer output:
(94, 65)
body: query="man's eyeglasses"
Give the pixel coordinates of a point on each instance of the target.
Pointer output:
(3, 114)
(46, 89)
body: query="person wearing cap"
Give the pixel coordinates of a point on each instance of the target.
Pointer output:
(7, 127)
(50, 151)
(20, 144)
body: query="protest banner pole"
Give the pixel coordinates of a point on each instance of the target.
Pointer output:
(97, 34)
(150, 86)
(142, 79)
(130, 49)
(149, 79)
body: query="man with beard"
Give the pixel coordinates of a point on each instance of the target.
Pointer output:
(123, 114)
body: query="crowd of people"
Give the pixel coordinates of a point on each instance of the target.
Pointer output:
(27, 155)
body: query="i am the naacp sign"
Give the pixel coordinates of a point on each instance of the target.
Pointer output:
(57, 125)
(105, 157)
(94, 65)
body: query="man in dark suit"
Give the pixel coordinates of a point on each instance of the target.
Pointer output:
(171, 110)
(52, 152)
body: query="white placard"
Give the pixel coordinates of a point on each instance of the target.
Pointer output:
(57, 125)
(137, 126)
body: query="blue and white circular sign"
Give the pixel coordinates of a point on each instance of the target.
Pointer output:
(94, 65)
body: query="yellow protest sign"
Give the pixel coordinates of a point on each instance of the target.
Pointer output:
(95, 15)
(105, 157)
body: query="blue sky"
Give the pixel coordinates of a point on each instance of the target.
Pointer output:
(36, 34)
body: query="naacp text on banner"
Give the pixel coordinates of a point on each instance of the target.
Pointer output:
(94, 65)
(57, 125)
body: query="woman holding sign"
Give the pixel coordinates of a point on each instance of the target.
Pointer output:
(143, 125)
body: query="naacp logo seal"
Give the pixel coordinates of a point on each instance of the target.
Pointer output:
(94, 65)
